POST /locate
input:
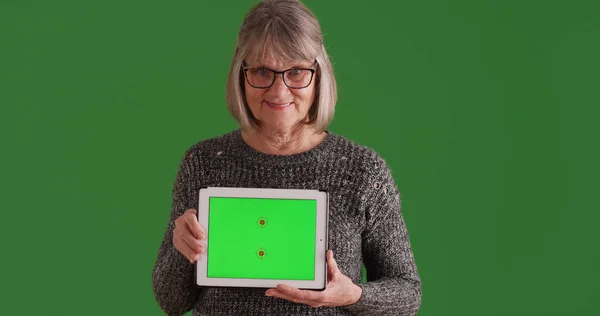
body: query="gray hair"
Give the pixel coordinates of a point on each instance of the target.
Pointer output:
(284, 29)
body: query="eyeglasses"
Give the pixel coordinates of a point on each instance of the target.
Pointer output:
(293, 78)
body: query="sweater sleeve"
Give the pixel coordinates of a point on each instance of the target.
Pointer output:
(393, 285)
(173, 276)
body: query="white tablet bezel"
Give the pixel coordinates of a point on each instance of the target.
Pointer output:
(321, 197)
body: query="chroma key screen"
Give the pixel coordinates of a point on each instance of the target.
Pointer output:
(261, 238)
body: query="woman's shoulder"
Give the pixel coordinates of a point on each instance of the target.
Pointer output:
(360, 155)
(366, 167)
(214, 145)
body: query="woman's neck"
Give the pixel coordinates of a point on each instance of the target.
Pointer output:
(283, 142)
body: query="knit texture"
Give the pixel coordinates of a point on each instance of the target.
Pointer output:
(365, 226)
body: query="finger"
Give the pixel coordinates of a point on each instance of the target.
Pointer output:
(304, 296)
(192, 222)
(332, 267)
(314, 302)
(291, 298)
(185, 250)
(194, 243)
(181, 220)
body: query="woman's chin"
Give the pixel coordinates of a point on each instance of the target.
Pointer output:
(280, 119)
(280, 125)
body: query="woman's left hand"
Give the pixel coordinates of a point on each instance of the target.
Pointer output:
(340, 290)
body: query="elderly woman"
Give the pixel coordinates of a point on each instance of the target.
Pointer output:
(282, 91)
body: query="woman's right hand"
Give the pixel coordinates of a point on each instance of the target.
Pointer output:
(188, 234)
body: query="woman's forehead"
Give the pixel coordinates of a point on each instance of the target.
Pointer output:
(275, 62)
(270, 52)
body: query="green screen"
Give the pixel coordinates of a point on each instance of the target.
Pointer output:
(486, 111)
(259, 238)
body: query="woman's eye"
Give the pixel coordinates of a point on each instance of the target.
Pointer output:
(295, 72)
(262, 71)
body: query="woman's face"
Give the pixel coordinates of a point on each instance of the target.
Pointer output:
(279, 107)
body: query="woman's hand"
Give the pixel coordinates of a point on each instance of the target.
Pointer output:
(187, 235)
(340, 290)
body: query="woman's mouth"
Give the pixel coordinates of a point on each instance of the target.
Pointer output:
(278, 105)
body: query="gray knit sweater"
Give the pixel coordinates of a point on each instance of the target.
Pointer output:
(365, 226)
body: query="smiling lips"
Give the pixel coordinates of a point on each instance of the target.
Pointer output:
(279, 105)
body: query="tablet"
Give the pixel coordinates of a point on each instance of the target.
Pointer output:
(263, 237)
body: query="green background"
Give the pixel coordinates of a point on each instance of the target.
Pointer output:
(486, 111)
(235, 236)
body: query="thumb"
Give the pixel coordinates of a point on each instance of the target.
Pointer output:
(332, 267)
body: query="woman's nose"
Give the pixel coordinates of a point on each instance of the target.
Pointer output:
(278, 86)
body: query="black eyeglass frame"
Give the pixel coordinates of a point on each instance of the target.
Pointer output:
(312, 74)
